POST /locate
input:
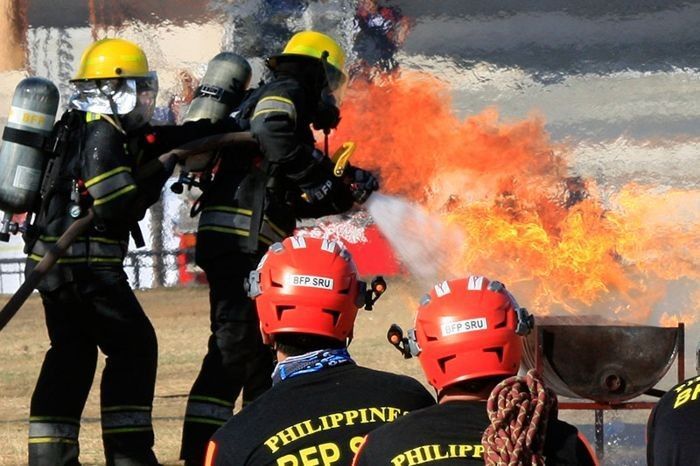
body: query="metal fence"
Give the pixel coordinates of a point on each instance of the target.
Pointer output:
(145, 269)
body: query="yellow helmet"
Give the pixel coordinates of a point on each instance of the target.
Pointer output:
(313, 44)
(112, 58)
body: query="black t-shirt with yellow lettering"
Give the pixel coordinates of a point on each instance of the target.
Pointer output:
(316, 419)
(673, 430)
(449, 434)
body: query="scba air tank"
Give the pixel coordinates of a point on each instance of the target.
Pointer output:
(223, 87)
(221, 91)
(22, 155)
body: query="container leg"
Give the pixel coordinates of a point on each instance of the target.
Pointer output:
(599, 434)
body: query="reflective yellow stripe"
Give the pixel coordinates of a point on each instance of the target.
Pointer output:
(224, 208)
(112, 260)
(272, 110)
(63, 260)
(53, 239)
(122, 430)
(111, 409)
(115, 195)
(277, 98)
(54, 418)
(203, 420)
(52, 440)
(234, 231)
(100, 239)
(210, 399)
(91, 116)
(106, 175)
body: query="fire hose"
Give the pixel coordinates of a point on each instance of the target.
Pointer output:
(81, 225)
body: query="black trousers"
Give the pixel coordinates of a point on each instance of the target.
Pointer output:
(236, 359)
(97, 310)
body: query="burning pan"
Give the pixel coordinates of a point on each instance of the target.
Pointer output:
(583, 357)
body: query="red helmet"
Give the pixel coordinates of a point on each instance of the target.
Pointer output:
(469, 328)
(307, 285)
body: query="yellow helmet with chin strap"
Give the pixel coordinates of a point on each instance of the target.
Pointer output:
(316, 45)
(112, 58)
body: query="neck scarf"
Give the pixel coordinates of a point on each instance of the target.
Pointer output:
(309, 363)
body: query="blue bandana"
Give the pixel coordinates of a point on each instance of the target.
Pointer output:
(310, 362)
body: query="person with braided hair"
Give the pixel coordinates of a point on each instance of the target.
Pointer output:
(467, 337)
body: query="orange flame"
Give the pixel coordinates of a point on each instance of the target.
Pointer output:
(503, 184)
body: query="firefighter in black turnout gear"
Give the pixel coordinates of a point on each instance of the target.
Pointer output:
(254, 201)
(102, 141)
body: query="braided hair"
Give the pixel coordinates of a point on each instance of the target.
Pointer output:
(518, 408)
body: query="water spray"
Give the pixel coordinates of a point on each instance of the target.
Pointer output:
(424, 243)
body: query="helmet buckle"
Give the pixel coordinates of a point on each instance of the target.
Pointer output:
(252, 284)
(526, 321)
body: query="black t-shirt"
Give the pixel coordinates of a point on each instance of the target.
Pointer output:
(673, 430)
(451, 434)
(317, 418)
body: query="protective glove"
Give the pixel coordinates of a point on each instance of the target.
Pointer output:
(328, 195)
(318, 192)
(362, 183)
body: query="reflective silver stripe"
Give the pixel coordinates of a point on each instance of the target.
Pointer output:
(97, 248)
(53, 429)
(238, 222)
(273, 104)
(111, 184)
(224, 219)
(208, 410)
(126, 419)
(77, 249)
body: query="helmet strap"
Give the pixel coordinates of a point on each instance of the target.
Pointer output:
(114, 120)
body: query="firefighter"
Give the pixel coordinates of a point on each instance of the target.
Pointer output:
(467, 337)
(321, 403)
(673, 427)
(102, 142)
(254, 201)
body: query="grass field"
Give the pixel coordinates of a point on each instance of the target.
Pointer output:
(181, 320)
(180, 317)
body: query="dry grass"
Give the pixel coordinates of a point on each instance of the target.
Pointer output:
(180, 317)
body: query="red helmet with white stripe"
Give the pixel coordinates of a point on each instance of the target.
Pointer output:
(467, 329)
(307, 285)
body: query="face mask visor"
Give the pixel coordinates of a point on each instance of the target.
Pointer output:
(120, 95)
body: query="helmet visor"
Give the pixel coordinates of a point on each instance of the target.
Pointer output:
(337, 81)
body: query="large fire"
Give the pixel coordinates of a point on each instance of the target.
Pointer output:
(506, 187)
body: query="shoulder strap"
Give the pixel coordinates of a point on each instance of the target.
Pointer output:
(249, 102)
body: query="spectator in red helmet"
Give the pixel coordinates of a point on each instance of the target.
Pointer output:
(673, 428)
(467, 338)
(321, 403)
